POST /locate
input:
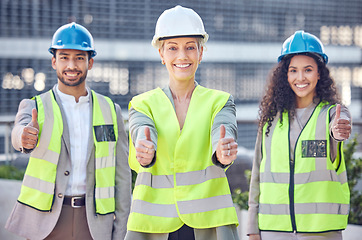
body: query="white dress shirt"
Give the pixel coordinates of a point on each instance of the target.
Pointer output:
(78, 119)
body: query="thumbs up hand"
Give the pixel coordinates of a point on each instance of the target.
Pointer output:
(341, 128)
(29, 137)
(145, 149)
(226, 149)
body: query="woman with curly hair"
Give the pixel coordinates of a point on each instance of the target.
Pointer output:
(299, 186)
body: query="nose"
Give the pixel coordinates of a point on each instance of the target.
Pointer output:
(300, 76)
(182, 54)
(71, 64)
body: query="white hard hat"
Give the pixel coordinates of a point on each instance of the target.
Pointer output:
(178, 22)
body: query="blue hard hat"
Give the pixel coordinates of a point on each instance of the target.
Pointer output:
(303, 42)
(73, 36)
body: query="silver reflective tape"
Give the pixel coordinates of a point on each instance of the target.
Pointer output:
(108, 161)
(275, 209)
(322, 208)
(106, 110)
(197, 177)
(104, 192)
(205, 204)
(304, 208)
(273, 177)
(302, 178)
(268, 141)
(321, 163)
(153, 209)
(46, 135)
(316, 176)
(46, 154)
(154, 181)
(38, 184)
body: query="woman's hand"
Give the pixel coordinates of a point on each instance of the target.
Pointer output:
(145, 150)
(341, 128)
(226, 149)
(254, 237)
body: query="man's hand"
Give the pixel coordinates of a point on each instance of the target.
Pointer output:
(226, 149)
(29, 137)
(341, 128)
(145, 150)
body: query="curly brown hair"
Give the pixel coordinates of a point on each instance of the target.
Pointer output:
(280, 97)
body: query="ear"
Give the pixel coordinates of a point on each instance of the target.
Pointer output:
(90, 63)
(201, 53)
(160, 51)
(54, 65)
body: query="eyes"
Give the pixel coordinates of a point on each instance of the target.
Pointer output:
(307, 70)
(78, 58)
(174, 48)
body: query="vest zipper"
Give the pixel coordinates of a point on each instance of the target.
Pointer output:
(291, 195)
(291, 183)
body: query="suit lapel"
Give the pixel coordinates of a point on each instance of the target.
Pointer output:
(65, 136)
(91, 139)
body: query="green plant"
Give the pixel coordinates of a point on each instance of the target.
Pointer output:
(11, 172)
(239, 197)
(354, 173)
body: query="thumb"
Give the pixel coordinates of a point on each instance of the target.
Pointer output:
(34, 119)
(222, 131)
(34, 115)
(338, 112)
(147, 133)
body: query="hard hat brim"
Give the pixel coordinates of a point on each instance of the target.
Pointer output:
(74, 47)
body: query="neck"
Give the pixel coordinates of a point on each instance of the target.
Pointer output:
(75, 91)
(182, 91)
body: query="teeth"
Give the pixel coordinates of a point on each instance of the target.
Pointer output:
(72, 74)
(182, 65)
(301, 85)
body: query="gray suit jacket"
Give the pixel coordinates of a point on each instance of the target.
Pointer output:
(33, 224)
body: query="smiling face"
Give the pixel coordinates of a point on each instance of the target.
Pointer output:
(72, 67)
(303, 77)
(181, 57)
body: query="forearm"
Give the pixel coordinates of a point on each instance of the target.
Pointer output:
(123, 182)
(226, 117)
(254, 190)
(137, 122)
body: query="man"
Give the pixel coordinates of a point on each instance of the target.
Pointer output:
(77, 184)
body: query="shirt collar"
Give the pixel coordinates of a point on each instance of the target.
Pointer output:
(71, 99)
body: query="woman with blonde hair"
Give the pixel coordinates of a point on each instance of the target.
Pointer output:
(182, 140)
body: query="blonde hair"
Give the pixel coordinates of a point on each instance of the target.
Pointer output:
(199, 40)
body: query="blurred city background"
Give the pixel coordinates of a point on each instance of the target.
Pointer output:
(245, 41)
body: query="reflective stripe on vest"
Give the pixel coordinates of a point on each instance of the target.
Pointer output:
(39, 181)
(183, 186)
(105, 134)
(309, 193)
(38, 186)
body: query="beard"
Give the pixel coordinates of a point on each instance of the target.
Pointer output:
(72, 83)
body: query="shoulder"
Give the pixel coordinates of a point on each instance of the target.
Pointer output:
(153, 96)
(27, 103)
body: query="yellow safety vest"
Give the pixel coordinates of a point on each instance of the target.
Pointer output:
(309, 193)
(183, 186)
(38, 185)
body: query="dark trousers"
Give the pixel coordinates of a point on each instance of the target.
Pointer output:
(72, 225)
(184, 233)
